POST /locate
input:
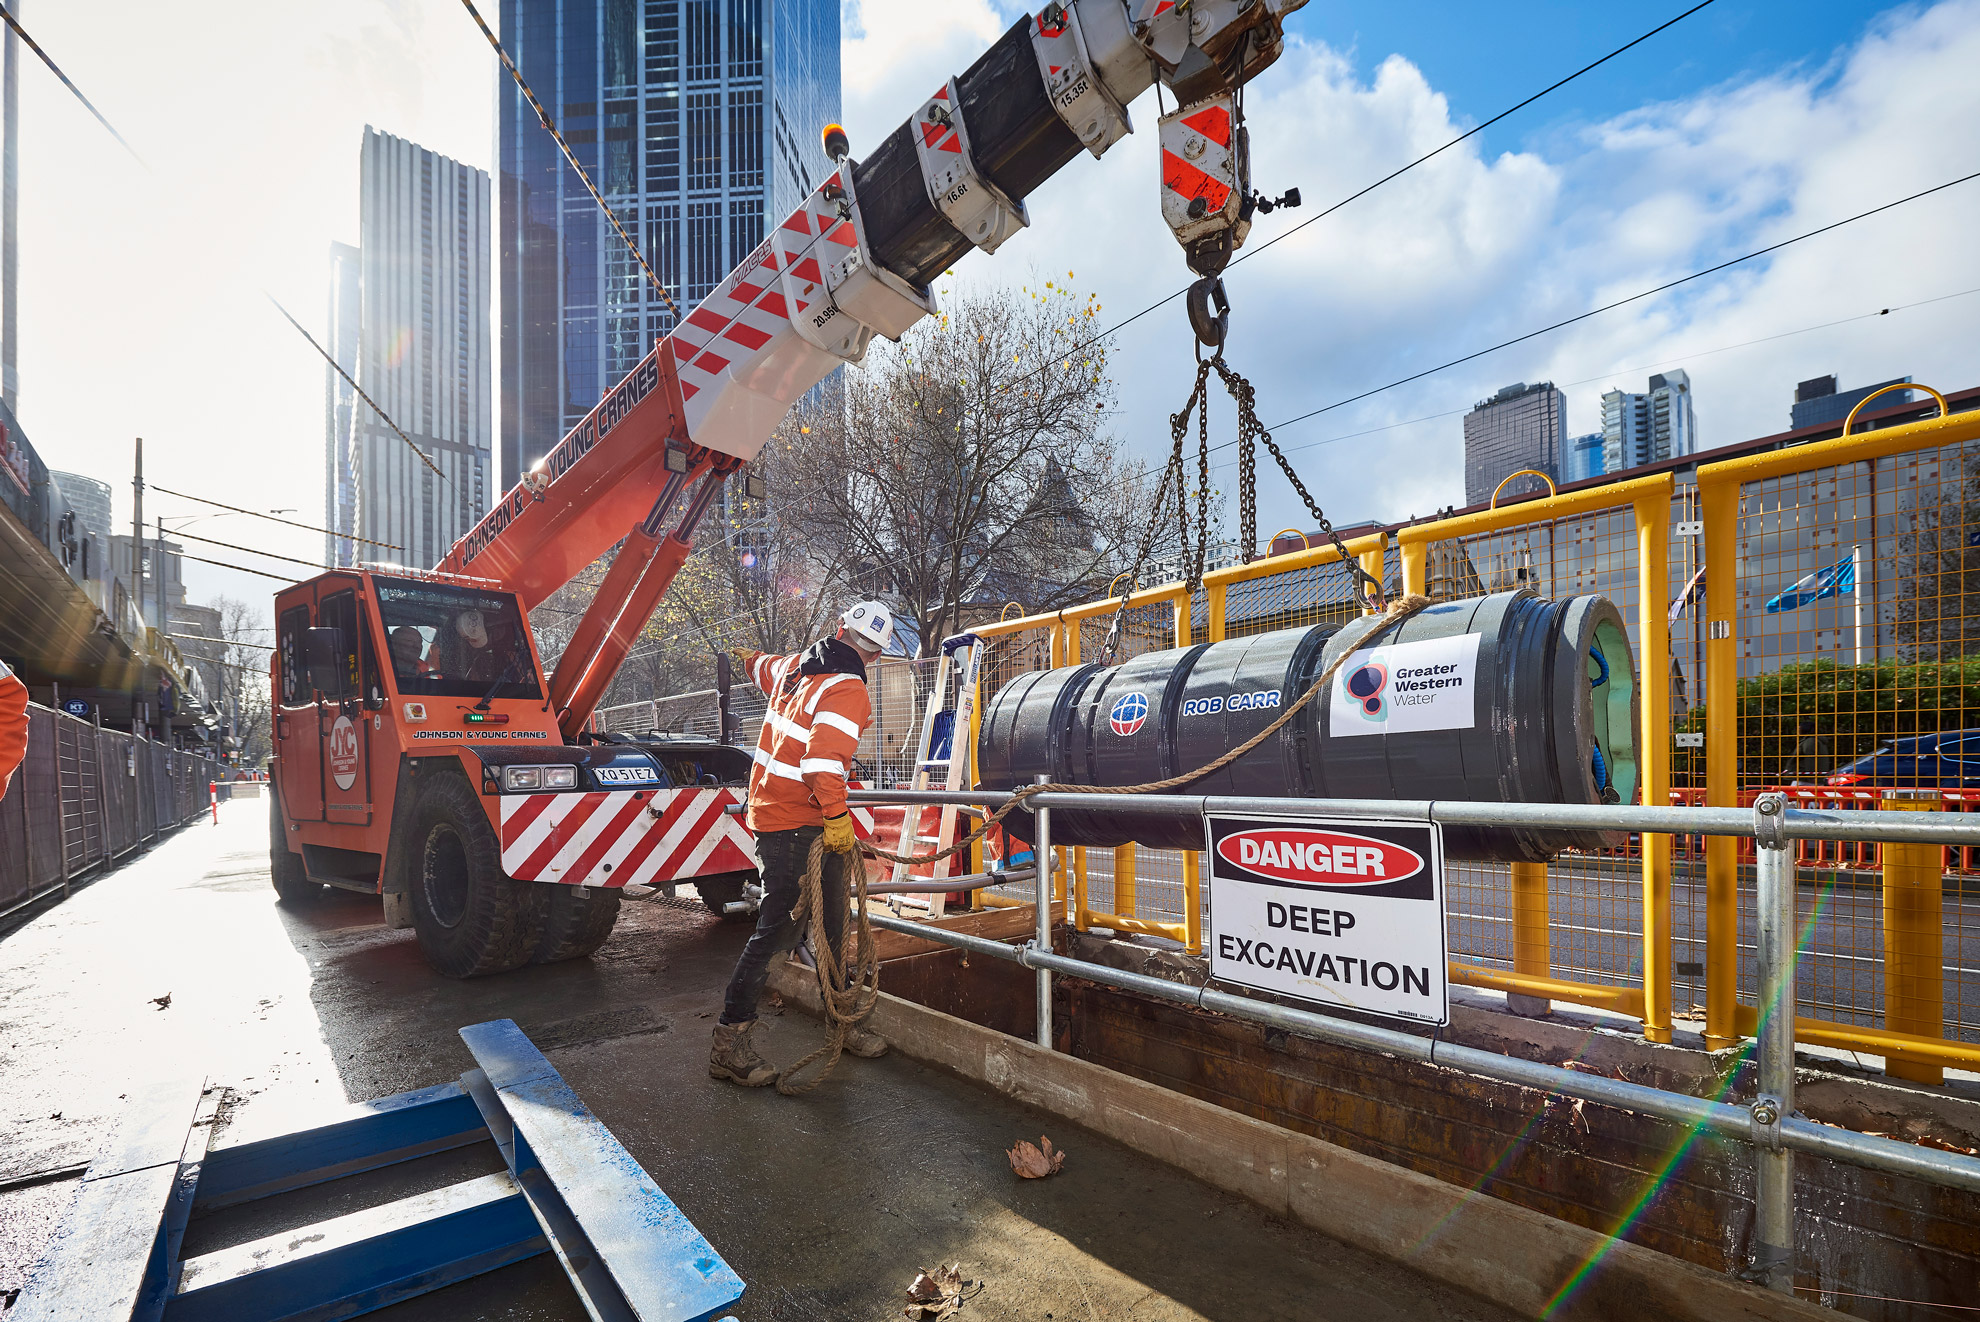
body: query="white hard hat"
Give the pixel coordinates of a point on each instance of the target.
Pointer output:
(872, 623)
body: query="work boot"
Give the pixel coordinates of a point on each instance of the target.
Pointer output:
(863, 1041)
(734, 1057)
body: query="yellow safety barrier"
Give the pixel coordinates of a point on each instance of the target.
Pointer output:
(1783, 486)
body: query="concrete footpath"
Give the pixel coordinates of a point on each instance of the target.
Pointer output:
(826, 1205)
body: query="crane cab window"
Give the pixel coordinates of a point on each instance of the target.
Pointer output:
(295, 669)
(455, 642)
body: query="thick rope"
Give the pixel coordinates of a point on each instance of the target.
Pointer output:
(849, 977)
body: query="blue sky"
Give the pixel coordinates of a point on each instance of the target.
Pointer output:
(1749, 121)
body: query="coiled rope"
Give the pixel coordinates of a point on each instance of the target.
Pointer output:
(849, 976)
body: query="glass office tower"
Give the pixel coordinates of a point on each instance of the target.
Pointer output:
(698, 120)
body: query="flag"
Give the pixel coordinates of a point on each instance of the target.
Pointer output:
(1839, 579)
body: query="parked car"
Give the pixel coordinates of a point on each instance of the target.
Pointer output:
(1948, 760)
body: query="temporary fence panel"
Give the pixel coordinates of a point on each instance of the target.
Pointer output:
(1589, 930)
(1850, 626)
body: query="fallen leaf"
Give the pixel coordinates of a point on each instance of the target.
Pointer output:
(935, 1295)
(1035, 1163)
(162, 1001)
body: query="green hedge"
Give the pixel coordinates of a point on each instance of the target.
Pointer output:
(1802, 721)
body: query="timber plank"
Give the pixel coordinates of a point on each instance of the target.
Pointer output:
(991, 924)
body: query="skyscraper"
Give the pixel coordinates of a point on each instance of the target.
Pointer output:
(1657, 424)
(1818, 401)
(339, 481)
(1522, 426)
(698, 120)
(1584, 458)
(422, 353)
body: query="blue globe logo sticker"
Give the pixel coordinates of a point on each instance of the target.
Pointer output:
(1365, 686)
(1128, 714)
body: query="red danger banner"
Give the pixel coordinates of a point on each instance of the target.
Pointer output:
(1346, 915)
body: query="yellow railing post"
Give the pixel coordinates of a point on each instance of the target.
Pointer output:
(1532, 953)
(1914, 937)
(1718, 500)
(1653, 751)
(1373, 562)
(1124, 896)
(1415, 567)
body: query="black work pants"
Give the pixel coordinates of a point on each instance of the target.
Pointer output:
(784, 855)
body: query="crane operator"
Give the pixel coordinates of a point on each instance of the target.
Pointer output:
(819, 707)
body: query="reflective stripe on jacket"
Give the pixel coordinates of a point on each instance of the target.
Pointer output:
(14, 724)
(804, 754)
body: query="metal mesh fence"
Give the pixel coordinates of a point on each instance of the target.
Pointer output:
(1858, 599)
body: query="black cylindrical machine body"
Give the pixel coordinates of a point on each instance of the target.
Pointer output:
(1505, 698)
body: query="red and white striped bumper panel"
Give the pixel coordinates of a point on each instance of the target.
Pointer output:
(622, 837)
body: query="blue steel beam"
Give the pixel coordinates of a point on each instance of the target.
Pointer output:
(629, 1251)
(354, 1264)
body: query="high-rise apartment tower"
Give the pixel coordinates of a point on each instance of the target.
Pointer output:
(339, 401)
(1522, 426)
(699, 121)
(422, 353)
(1658, 424)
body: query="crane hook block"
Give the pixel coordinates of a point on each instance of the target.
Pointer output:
(1508, 698)
(1209, 311)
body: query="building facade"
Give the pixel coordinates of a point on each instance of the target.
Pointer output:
(1522, 426)
(1658, 424)
(1818, 403)
(339, 401)
(421, 350)
(1584, 458)
(698, 120)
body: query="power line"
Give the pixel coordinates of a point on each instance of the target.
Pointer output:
(55, 69)
(1622, 371)
(249, 549)
(1633, 298)
(280, 578)
(339, 369)
(1392, 175)
(226, 642)
(153, 486)
(543, 117)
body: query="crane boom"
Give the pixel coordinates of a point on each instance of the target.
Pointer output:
(854, 261)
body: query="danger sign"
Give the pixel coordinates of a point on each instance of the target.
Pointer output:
(1345, 914)
(343, 752)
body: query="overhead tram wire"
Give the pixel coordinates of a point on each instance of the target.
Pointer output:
(236, 509)
(352, 383)
(1387, 178)
(550, 127)
(1691, 356)
(21, 32)
(193, 537)
(1623, 302)
(222, 564)
(56, 69)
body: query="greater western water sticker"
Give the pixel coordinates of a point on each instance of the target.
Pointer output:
(1344, 914)
(1427, 685)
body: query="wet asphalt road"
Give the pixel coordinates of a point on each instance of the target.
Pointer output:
(826, 1206)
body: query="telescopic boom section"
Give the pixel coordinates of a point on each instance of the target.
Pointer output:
(855, 260)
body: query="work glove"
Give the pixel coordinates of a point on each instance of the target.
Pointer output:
(839, 837)
(744, 656)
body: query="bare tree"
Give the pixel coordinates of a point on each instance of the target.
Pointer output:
(968, 465)
(234, 669)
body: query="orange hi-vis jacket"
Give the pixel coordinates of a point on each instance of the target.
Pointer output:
(13, 724)
(810, 733)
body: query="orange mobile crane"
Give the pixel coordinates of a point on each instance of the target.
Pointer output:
(422, 753)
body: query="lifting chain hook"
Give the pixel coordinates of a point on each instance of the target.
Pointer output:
(1211, 326)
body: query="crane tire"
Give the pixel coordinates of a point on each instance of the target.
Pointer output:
(471, 918)
(724, 888)
(293, 888)
(576, 921)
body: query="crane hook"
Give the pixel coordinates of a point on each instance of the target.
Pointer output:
(1210, 327)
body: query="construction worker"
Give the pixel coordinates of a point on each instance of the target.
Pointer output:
(13, 725)
(797, 792)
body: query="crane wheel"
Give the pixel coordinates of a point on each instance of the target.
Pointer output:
(576, 921)
(293, 888)
(721, 889)
(471, 918)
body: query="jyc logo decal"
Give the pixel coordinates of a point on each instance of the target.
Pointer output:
(1304, 856)
(344, 753)
(1129, 713)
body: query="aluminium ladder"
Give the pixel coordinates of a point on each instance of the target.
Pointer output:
(953, 762)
